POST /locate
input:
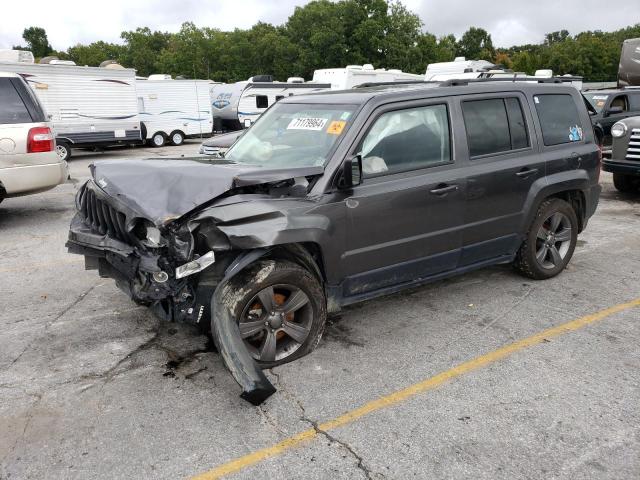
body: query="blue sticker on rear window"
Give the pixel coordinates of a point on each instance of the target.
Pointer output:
(575, 133)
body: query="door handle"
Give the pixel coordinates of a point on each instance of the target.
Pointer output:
(527, 172)
(443, 189)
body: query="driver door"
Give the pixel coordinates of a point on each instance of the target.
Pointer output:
(404, 220)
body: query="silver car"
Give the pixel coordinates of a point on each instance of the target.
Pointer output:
(28, 159)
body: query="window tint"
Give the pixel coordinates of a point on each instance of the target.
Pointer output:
(517, 125)
(559, 118)
(487, 126)
(406, 140)
(262, 101)
(12, 108)
(634, 102)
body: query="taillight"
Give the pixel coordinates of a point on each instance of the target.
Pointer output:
(40, 139)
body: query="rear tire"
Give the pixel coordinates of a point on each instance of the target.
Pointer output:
(550, 241)
(177, 138)
(63, 150)
(158, 140)
(625, 183)
(297, 300)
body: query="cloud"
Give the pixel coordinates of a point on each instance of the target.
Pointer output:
(509, 21)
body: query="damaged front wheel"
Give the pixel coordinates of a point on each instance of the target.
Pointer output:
(280, 309)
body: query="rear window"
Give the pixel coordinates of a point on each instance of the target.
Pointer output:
(494, 125)
(559, 119)
(12, 108)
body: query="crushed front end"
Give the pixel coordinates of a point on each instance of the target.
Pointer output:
(152, 264)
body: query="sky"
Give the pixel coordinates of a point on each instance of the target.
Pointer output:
(510, 22)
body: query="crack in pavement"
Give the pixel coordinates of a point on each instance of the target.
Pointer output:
(65, 310)
(29, 417)
(332, 439)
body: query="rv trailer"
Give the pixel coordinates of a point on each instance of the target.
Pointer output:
(629, 68)
(238, 105)
(459, 69)
(88, 106)
(354, 75)
(172, 110)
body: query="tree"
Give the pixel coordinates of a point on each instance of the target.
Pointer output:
(476, 44)
(37, 41)
(142, 49)
(95, 53)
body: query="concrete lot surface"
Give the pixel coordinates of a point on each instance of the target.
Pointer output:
(92, 386)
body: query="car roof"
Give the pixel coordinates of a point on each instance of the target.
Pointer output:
(410, 90)
(610, 91)
(8, 74)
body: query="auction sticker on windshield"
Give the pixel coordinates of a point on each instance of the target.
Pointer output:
(307, 123)
(336, 127)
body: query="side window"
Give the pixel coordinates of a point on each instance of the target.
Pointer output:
(262, 101)
(12, 108)
(517, 125)
(408, 139)
(622, 102)
(559, 118)
(634, 101)
(487, 126)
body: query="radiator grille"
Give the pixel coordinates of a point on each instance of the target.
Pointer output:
(101, 218)
(633, 152)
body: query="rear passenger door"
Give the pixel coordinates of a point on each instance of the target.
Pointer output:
(503, 165)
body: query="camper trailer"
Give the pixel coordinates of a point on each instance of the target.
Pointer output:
(172, 110)
(238, 105)
(460, 68)
(354, 75)
(629, 68)
(88, 106)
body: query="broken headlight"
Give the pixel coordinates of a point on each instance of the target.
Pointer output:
(196, 265)
(148, 234)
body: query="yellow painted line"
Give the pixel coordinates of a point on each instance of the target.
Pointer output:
(27, 267)
(409, 392)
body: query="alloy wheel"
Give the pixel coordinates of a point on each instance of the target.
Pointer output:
(276, 322)
(553, 241)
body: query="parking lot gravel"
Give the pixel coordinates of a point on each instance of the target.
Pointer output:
(93, 386)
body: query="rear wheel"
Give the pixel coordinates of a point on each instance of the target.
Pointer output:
(281, 311)
(177, 138)
(158, 140)
(625, 183)
(63, 150)
(550, 241)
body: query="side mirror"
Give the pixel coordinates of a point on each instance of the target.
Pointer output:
(614, 111)
(351, 172)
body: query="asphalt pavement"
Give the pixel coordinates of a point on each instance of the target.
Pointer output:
(93, 386)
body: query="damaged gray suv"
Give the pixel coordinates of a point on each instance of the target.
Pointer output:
(335, 198)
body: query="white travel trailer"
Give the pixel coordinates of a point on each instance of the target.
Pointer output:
(354, 75)
(172, 110)
(88, 106)
(460, 68)
(238, 105)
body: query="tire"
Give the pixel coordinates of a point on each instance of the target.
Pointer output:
(63, 150)
(177, 138)
(277, 279)
(625, 183)
(158, 140)
(548, 248)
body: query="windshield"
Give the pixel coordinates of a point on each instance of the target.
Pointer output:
(292, 135)
(597, 100)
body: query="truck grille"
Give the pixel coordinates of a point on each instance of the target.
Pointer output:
(633, 152)
(101, 218)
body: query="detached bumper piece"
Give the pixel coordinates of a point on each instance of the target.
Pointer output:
(256, 388)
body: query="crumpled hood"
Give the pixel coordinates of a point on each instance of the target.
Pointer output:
(164, 190)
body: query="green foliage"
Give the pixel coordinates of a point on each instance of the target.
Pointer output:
(37, 41)
(330, 34)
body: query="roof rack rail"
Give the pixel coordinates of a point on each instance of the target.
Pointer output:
(629, 87)
(403, 82)
(466, 81)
